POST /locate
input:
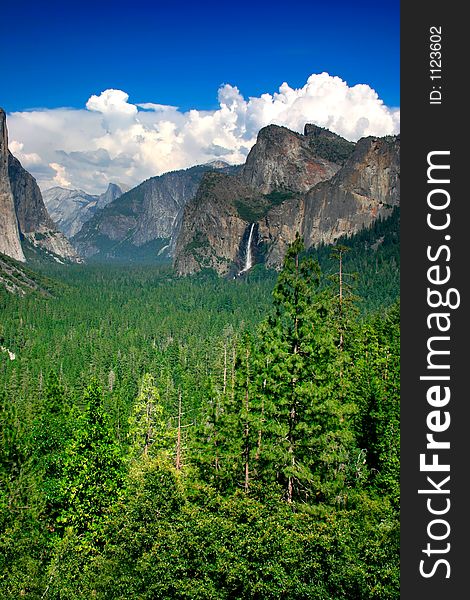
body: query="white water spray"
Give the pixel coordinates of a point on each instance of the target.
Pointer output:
(248, 257)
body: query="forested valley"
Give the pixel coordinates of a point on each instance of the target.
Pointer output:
(205, 438)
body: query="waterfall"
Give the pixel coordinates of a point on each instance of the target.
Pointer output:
(248, 255)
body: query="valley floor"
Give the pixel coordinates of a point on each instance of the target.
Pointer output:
(201, 438)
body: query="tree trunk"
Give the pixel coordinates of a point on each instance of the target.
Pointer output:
(178, 435)
(290, 479)
(225, 369)
(246, 486)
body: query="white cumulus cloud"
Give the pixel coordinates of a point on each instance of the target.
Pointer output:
(112, 102)
(60, 177)
(27, 160)
(116, 140)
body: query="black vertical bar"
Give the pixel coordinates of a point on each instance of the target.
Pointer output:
(434, 118)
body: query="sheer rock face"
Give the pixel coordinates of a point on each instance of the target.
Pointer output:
(279, 228)
(29, 205)
(368, 186)
(318, 185)
(151, 211)
(216, 226)
(213, 227)
(9, 233)
(34, 221)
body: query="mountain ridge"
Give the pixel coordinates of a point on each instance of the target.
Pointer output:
(148, 214)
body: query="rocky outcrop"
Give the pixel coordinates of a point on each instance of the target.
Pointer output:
(29, 205)
(34, 222)
(10, 243)
(278, 229)
(146, 214)
(17, 279)
(316, 184)
(285, 160)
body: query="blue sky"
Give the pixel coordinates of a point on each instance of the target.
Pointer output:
(102, 91)
(60, 53)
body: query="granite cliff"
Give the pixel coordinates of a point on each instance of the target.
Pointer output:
(24, 220)
(36, 226)
(10, 243)
(70, 208)
(368, 186)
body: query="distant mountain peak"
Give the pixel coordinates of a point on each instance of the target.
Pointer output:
(71, 208)
(217, 164)
(123, 187)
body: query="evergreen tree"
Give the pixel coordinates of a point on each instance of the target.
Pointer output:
(286, 343)
(93, 466)
(309, 437)
(12, 453)
(377, 390)
(51, 434)
(148, 431)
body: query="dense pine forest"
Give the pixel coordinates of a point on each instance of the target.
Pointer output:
(204, 438)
